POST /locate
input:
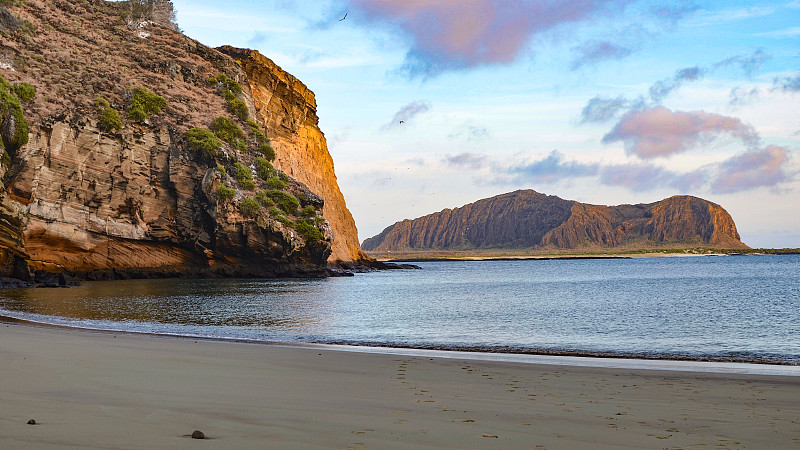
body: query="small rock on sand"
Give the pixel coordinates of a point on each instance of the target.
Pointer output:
(197, 434)
(31, 422)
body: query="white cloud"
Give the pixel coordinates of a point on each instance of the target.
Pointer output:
(705, 17)
(781, 34)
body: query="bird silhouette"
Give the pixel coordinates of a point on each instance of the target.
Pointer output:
(345, 17)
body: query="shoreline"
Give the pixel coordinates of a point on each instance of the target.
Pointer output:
(557, 358)
(438, 256)
(117, 390)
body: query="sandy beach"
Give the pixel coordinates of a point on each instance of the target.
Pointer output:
(103, 390)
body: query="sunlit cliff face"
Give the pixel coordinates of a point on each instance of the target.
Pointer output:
(287, 110)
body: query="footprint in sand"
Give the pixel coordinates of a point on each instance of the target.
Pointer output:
(489, 435)
(365, 431)
(400, 422)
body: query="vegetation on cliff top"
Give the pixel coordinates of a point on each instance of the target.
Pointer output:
(160, 12)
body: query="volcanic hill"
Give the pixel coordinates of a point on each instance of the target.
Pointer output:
(131, 150)
(526, 219)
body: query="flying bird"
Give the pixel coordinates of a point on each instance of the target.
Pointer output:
(345, 17)
(402, 121)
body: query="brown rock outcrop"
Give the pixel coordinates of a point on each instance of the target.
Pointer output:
(530, 220)
(140, 202)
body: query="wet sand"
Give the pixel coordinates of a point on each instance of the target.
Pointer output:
(104, 390)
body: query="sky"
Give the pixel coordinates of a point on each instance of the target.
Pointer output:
(428, 105)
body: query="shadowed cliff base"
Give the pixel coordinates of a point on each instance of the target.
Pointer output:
(526, 222)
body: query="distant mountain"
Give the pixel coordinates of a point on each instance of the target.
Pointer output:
(528, 219)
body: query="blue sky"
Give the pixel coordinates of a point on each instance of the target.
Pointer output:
(600, 101)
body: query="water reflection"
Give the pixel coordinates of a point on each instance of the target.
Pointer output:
(294, 305)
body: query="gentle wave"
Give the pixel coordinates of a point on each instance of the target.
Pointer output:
(177, 331)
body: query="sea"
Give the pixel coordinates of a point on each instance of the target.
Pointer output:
(704, 308)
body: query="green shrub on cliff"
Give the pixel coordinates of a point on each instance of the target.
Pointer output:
(226, 129)
(307, 230)
(144, 104)
(256, 132)
(107, 117)
(244, 176)
(285, 201)
(267, 150)
(227, 83)
(228, 89)
(25, 92)
(262, 141)
(264, 168)
(276, 183)
(277, 214)
(239, 144)
(264, 199)
(225, 193)
(238, 108)
(249, 207)
(11, 109)
(308, 212)
(101, 102)
(203, 140)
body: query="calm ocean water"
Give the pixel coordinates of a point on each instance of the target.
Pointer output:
(743, 308)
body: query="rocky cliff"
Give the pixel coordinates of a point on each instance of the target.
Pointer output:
(530, 220)
(149, 154)
(287, 109)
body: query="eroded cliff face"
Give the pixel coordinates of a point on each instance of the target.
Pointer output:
(139, 200)
(103, 206)
(530, 220)
(287, 109)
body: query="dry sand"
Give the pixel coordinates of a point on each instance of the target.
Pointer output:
(101, 390)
